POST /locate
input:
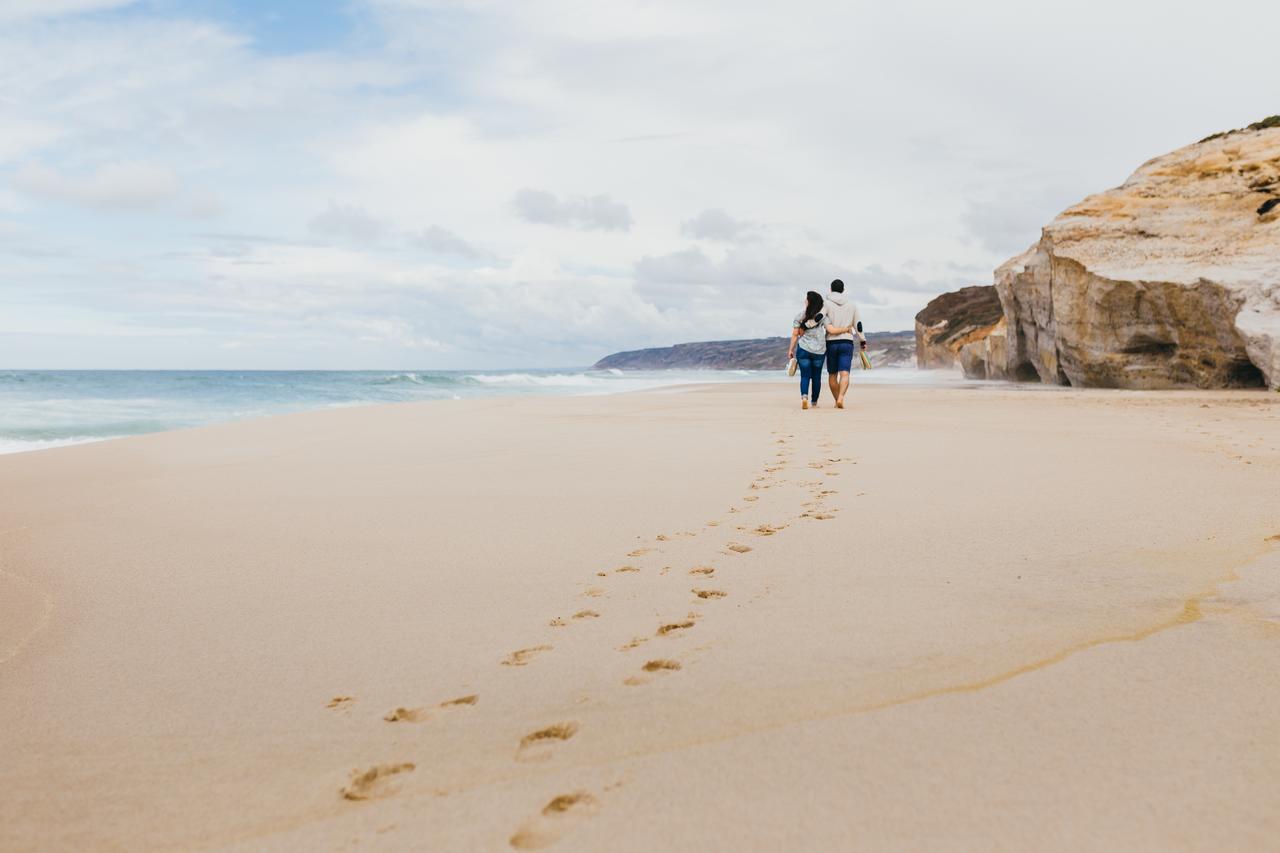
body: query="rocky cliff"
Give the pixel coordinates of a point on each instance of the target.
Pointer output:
(953, 320)
(887, 349)
(1170, 280)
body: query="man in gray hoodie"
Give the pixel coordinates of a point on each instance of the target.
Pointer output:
(843, 322)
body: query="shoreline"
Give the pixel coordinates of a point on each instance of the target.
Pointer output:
(915, 608)
(10, 445)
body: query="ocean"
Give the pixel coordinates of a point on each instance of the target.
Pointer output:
(41, 409)
(50, 408)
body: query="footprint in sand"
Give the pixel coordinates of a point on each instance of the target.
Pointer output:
(739, 549)
(375, 782)
(672, 627)
(631, 644)
(522, 657)
(557, 622)
(624, 569)
(556, 819)
(586, 614)
(407, 715)
(751, 498)
(1275, 538)
(421, 715)
(639, 552)
(710, 593)
(768, 529)
(341, 702)
(702, 570)
(536, 746)
(661, 665)
(820, 516)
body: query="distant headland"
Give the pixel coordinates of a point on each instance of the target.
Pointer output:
(887, 349)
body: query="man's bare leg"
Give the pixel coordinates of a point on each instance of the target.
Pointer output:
(834, 384)
(843, 389)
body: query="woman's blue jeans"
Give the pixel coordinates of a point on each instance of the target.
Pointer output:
(810, 373)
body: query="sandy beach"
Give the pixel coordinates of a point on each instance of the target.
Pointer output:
(986, 618)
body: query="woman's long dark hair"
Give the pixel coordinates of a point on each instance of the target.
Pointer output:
(812, 306)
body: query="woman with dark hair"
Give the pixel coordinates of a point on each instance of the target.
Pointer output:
(809, 348)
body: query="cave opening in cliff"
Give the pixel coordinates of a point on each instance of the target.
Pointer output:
(1026, 372)
(1242, 373)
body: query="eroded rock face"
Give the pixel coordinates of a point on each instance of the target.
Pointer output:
(1169, 280)
(987, 357)
(953, 320)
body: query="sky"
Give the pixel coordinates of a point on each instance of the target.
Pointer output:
(443, 184)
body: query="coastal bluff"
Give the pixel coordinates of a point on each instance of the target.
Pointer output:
(886, 349)
(951, 321)
(1171, 280)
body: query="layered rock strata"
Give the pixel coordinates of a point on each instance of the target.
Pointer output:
(1170, 280)
(953, 320)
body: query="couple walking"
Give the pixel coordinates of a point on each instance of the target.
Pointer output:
(825, 330)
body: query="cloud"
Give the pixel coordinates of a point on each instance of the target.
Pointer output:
(1006, 219)
(347, 223)
(444, 242)
(899, 156)
(114, 185)
(135, 186)
(23, 137)
(760, 275)
(383, 330)
(12, 11)
(874, 277)
(714, 224)
(599, 212)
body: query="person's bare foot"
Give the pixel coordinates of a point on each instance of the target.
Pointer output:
(804, 402)
(839, 404)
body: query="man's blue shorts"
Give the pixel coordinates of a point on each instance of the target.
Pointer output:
(839, 356)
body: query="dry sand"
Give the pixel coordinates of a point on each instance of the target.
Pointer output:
(994, 618)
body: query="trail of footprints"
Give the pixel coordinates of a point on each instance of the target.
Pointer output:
(565, 811)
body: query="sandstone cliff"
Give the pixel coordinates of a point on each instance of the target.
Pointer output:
(953, 320)
(988, 356)
(1169, 280)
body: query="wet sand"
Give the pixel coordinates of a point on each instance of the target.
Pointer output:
(963, 618)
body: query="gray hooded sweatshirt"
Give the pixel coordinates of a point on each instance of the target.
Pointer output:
(841, 312)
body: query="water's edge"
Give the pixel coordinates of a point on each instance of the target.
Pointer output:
(43, 409)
